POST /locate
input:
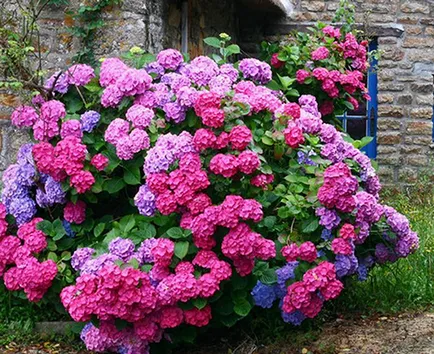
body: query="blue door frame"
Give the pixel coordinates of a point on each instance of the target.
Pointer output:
(371, 115)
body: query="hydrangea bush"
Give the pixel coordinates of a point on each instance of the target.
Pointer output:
(329, 62)
(187, 192)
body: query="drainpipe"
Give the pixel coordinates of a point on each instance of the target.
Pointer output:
(184, 26)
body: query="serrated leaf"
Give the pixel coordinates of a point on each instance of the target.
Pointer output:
(181, 249)
(233, 49)
(175, 233)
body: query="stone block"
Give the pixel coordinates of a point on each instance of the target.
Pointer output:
(418, 42)
(415, 7)
(389, 138)
(419, 128)
(404, 99)
(422, 87)
(385, 124)
(390, 86)
(421, 113)
(390, 111)
(314, 6)
(385, 98)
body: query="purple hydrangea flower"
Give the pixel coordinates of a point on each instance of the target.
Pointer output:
(295, 318)
(304, 159)
(23, 209)
(80, 257)
(68, 229)
(155, 68)
(144, 254)
(26, 174)
(25, 154)
(60, 82)
(263, 295)
(94, 265)
(202, 70)
(121, 247)
(89, 120)
(52, 194)
(283, 275)
(328, 218)
(326, 235)
(256, 70)
(346, 265)
(145, 201)
(407, 244)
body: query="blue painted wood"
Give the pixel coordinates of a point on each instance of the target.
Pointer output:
(371, 116)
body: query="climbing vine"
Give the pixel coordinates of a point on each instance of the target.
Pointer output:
(88, 20)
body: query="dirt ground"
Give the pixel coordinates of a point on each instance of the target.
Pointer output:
(403, 334)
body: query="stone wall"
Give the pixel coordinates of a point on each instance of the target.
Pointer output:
(149, 24)
(405, 31)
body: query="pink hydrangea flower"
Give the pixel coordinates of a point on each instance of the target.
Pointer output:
(99, 161)
(75, 213)
(24, 116)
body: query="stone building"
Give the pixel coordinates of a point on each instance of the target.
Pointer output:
(403, 30)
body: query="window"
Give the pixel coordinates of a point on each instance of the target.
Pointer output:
(363, 121)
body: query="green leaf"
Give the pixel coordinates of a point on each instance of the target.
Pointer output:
(286, 81)
(52, 256)
(200, 303)
(181, 249)
(267, 141)
(348, 105)
(230, 321)
(292, 93)
(46, 227)
(309, 226)
(114, 185)
(269, 222)
(120, 324)
(242, 307)
(127, 223)
(132, 176)
(134, 263)
(175, 233)
(233, 49)
(74, 105)
(268, 277)
(213, 42)
(98, 230)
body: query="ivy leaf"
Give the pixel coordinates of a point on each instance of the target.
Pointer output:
(175, 232)
(181, 249)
